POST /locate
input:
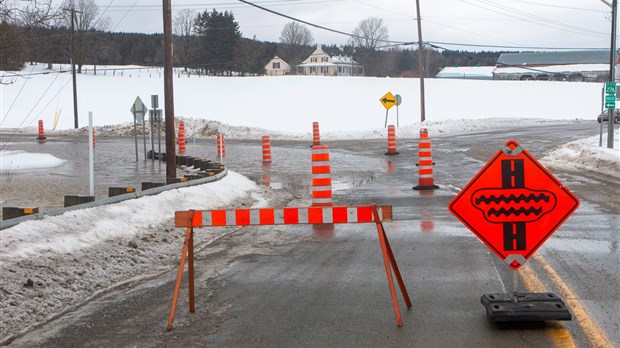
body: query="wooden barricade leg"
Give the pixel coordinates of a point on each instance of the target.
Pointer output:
(190, 271)
(399, 278)
(389, 260)
(177, 287)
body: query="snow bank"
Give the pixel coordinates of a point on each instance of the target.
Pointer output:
(586, 155)
(16, 161)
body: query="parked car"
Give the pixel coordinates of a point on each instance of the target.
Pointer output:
(604, 116)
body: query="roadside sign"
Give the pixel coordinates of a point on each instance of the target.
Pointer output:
(138, 109)
(399, 99)
(388, 100)
(610, 102)
(514, 204)
(610, 95)
(610, 88)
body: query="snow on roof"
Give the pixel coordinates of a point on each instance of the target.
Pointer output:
(466, 72)
(554, 69)
(554, 58)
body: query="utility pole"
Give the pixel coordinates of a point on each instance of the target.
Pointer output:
(171, 166)
(72, 60)
(612, 73)
(421, 62)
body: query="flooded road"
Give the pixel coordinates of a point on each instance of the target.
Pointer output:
(297, 290)
(115, 165)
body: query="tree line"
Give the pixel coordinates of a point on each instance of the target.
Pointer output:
(207, 42)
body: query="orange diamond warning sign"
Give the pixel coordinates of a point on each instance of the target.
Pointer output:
(513, 204)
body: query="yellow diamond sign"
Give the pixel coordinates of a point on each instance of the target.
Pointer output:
(388, 100)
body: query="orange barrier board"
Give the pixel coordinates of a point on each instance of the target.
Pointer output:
(286, 216)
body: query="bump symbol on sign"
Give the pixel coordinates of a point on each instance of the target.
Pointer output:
(513, 205)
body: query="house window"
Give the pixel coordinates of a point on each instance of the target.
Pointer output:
(324, 70)
(276, 65)
(313, 69)
(324, 59)
(301, 70)
(313, 59)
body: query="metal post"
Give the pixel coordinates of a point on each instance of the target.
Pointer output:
(91, 155)
(159, 134)
(386, 116)
(612, 73)
(421, 62)
(144, 134)
(171, 167)
(515, 285)
(135, 133)
(153, 116)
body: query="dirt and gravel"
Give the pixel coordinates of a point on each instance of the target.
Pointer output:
(38, 289)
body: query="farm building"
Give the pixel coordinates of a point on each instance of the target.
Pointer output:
(589, 66)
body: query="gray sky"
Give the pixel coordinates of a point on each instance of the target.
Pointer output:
(549, 23)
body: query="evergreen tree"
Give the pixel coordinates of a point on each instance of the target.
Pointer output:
(219, 33)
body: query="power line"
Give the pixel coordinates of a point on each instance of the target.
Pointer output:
(318, 26)
(29, 113)
(513, 47)
(559, 6)
(523, 16)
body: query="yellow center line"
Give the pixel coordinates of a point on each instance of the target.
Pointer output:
(594, 333)
(560, 336)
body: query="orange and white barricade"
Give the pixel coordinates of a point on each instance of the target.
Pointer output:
(266, 149)
(321, 176)
(221, 147)
(285, 216)
(391, 141)
(425, 163)
(41, 138)
(316, 136)
(181, 138)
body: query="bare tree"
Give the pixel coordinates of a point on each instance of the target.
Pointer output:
(37, 13)
(295, 40)
(370, 33)
(30, 18)
(294, 33)
(183, 29)
(87, 19)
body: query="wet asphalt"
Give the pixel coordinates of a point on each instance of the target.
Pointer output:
(329, 289)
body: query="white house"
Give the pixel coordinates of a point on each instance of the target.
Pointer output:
(277, 67)
(321, 63)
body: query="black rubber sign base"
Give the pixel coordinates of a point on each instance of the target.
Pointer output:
(525, 307)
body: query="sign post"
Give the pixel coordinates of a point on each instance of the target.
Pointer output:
(399, 100)
(138, 109)
(513, 205)
(388, 100)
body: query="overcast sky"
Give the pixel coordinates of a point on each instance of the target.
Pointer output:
(549, 23)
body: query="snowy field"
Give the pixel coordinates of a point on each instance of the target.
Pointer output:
(52, 265)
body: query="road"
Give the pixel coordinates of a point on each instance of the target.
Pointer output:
(299, 288)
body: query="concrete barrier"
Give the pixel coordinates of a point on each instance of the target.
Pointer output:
(15, 212)
(76, 200)
(180, 183)
(115, 191)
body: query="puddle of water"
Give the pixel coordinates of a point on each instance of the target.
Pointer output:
(115, 165)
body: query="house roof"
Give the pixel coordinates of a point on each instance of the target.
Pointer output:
(278, 59)
(571, 68)
(335, 60)
(554, 58)
(472, 72)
